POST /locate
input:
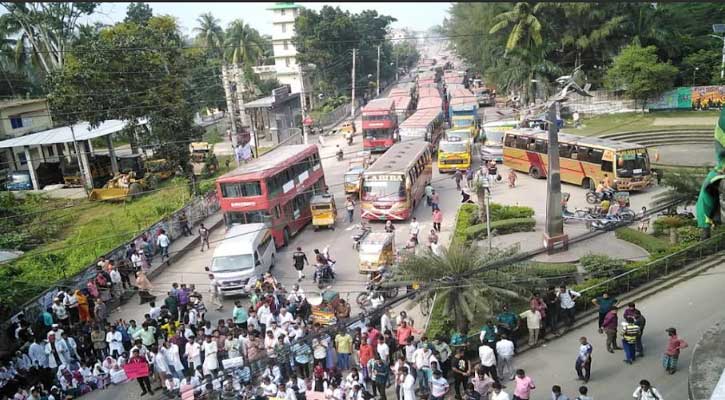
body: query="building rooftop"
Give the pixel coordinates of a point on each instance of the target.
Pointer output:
(284, 6)
(19, 102)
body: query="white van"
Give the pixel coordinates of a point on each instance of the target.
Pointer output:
(246, 252)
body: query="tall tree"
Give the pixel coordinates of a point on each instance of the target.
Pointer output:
(45, 30)
(638, 71)
(139, 13)
(523, 25)
(210, 34)
(243, 44)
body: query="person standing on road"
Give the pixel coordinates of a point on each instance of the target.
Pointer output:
(204, 237)
(428, 194)
(553, 308)
(215, 291)
(505, 352)
(645, 391)
(435, 199)
(143, 381)
(567, 304)
(640, 321)
(457, 176)
(497, 393)
(605, 303)
(524, 386)
(163, 242)
(470, 172)
(437, 219)
(299, 259)
(512, 178)
(610, 326)
(672, 353)
(414, 230)
(630, 331)
(350, 207)
(461, 371)
(488, 361)
(583, 364)
(439, 386)
(556, 393)
(533, 323)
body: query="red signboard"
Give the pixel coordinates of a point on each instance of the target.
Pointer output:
(136, 370)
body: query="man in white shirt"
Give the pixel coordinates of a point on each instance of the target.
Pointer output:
(154, 311)
(385, 323)
(421, 360)
(438, 386)
(116, 281)
(497, 393)
(533, 323)
(383, 349)
(163, 242)
(284, 318)
(488, 361)
(567, 303)
(37, 355)
(505, 352)
(414, 230)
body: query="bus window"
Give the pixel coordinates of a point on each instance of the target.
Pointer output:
(541, 146)
(522, 142)
(241, 189)
(582, 153)
(510, 141)
(607, 166)
(531, 145)
(595, 155)
(564, 150)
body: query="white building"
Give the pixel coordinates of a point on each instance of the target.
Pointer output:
(285, 54)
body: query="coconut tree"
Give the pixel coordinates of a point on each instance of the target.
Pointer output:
(476, 296)
(242, 44)
(525, 27)
(210, 33)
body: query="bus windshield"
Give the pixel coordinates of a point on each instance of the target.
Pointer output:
(378, 189)
(462, 136)
(232, 263)
(462, 122)
(378, 133)
(494, 138)
(452, 147)
(631, 163)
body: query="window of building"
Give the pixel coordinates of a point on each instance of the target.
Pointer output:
(16, 122)
(285, 45)
(284, 28)
(21, 157)
(51, 151)
(286, 61)
(282, 11)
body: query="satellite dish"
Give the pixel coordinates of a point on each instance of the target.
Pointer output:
(315, 299)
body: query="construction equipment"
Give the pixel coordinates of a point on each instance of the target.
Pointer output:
(136, 176)
(100, 165)
(203, 160)
(120, 188)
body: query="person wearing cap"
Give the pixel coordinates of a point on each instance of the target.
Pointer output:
(672, 352)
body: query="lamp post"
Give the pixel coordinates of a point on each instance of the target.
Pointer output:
(693, 75)
(720, 28)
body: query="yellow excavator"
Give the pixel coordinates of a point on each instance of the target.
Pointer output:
(136, 176)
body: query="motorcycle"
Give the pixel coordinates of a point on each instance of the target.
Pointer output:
(374, 295)
(324, 275)
(363, 231)
(624, 215)
(349, 139)
(593, 197)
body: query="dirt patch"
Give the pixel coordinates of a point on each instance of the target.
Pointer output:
(684, 121)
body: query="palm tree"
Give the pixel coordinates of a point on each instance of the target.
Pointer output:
(210, 33)
(525, 26)
(243, 44)
(474, 297)
(588, 27)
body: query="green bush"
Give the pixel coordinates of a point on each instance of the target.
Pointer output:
(648, 242)
(501, 227)
(553, 273)
(688, 234)
(464, 217)
(602, 266)
(439, 325)
(662, 224)
(500, 212)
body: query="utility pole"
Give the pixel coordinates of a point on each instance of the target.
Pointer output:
(396, 67)
(554, 221)
(81, 169)
(352, 105)
(303, 103)
(378, 74)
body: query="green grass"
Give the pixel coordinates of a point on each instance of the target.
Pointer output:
(94, 229)
(652, 244)
(628, 122)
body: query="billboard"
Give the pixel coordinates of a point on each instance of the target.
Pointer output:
(683, 98)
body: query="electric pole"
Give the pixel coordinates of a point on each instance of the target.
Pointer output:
(378, 74)
(303, 103)
(352, 105)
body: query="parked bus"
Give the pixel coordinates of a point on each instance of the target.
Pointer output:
(275, 189)
(379, 123)
(394, 185)
(493, 132)
(454, 154)
(584, 160)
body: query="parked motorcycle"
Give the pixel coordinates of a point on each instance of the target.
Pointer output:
(374, 295)
(593, 197)
(359, 236)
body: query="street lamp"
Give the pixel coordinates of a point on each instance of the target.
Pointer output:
(693, 75)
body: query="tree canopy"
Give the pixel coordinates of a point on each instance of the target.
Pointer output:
(638, 71)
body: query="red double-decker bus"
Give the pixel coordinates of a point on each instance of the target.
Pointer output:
(275, 188)
(379, 122)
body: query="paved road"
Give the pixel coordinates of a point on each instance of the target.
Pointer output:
(687, 306)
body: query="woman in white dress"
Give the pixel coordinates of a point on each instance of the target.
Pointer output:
(173, 359)
(210, 355)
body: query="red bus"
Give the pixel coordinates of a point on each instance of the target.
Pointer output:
(379, 122)
(395, 184)
(275, 188)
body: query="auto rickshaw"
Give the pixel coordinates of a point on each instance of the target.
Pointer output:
(352, 179)
(376, 250)
(348, 127)
(323, 210)
(323, 307)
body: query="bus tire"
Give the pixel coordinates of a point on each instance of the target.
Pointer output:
(587, 183)
(534, 172)
(286, 236)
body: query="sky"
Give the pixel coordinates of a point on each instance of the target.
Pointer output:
(416, 16)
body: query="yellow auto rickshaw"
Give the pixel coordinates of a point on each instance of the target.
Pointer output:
(348, 127)
(323, 210)
(376, 250)
(352, 179)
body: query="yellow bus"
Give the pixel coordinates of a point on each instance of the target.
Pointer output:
(454, 153)
(584, 160)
